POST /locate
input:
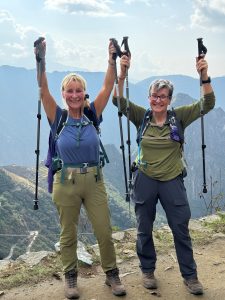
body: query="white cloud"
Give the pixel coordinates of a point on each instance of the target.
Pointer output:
(5, 16)
(17, 49)
(66, 51)
(209, 14)
(147, 2)
(16, 41)
(145, 65)
(95, 8)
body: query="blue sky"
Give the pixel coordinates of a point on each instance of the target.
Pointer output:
(162, 34)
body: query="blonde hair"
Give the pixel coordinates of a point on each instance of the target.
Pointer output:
(72, 77)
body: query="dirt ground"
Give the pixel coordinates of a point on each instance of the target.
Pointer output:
(211, 270)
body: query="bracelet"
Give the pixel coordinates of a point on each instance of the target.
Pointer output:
(110, 63)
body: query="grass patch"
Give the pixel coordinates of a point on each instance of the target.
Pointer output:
(200, 237)
(163, 240)
(217, 225)
(19, 273)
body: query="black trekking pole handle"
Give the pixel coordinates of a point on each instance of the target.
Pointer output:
(118, 50)
(120, 53)
(115, 55)
(126, 47)
(202, 50)
(40, 58)
(40, 62)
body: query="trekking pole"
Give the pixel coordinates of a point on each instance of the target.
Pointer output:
(37, 45)
(127, 52)
(202, 50)
(120, 53)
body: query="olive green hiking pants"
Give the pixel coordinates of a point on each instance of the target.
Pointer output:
(78, 189)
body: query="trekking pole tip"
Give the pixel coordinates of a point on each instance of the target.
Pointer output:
(35, 206)
(204, 190)
(127, 197)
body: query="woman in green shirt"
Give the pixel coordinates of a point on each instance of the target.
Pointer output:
(159, 174)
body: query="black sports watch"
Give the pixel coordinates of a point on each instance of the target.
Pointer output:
(207, 81)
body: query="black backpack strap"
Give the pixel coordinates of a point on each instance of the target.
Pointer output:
(92, 119)
(173, 118)
(104, 152)
(180, 129)
(142, 128)
(62, 121)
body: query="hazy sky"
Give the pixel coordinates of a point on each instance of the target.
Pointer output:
(162, 34)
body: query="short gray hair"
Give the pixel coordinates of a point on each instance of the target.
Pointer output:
(159, 84)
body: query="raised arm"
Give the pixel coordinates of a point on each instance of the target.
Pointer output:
(104, 94)
(124, 65)
(47, 99)
(202, 69)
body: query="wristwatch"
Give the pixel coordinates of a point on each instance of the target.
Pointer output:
(207, 81)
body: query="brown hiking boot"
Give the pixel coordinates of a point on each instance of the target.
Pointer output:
(113, 280)
(149, 281)
(194, 286)
(71, 291)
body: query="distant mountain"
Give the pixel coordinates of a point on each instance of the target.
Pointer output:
(214, 139)
(18, 124)
(18, 219)
(18, 121)
(182, 85)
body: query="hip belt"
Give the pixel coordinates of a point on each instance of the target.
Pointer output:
(82, 168)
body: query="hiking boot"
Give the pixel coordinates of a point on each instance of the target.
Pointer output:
(113, 280)
(71, 291)
(194, 286)
(149, 281)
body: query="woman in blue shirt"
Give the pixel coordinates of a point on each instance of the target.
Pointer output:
(80, 179)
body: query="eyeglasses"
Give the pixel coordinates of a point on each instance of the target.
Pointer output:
(161, 97)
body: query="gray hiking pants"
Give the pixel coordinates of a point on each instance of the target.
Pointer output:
(173, 197)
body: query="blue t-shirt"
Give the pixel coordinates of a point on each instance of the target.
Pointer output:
(78, 141)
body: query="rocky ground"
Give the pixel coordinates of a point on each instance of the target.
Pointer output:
(210, 258)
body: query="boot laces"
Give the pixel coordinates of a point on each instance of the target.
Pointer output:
(149, 275)
(114, 275)
(71, 279)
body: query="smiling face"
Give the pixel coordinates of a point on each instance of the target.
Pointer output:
(159, 100)
(74, 95)
(73, 88)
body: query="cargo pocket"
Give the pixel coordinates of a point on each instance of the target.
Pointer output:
(133, 185)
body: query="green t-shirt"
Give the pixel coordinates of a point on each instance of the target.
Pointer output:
(161, 157)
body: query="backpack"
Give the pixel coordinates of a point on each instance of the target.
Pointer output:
(49, 162)
(176, 131)
(176, 126)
